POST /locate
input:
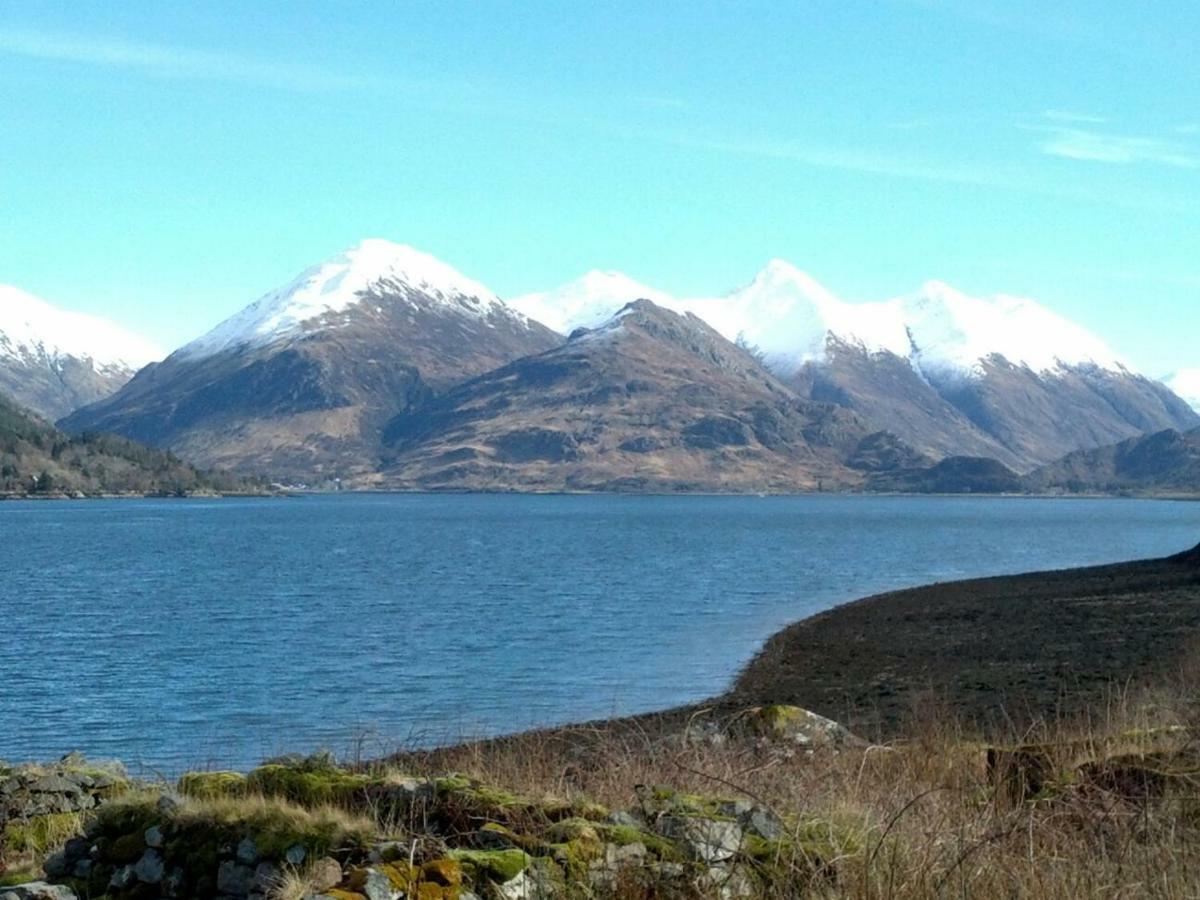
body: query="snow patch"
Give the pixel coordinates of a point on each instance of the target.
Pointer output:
(340, 283)
(32, 330)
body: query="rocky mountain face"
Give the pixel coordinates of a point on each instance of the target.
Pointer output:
(1009, 412)
(949, 374)
(301, 382)
(1166, 462)
(54, 362)
(651, 400)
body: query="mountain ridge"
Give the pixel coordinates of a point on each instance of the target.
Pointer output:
(55, 361)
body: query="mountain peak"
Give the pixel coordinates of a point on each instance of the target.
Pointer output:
(587, 302)
(53, 361)
(341, 282)
(29, 326)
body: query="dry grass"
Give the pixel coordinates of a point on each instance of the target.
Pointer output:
(916, 818)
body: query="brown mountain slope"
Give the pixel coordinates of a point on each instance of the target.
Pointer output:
(1164, 462)
(651, 401)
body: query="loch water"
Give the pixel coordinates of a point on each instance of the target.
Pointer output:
(195, 633)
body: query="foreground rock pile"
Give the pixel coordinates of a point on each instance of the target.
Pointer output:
(307, 828)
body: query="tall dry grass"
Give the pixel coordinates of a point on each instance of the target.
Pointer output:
(918, 817)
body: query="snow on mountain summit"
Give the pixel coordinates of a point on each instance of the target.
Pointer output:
(952, 333)
(588, 301)
(792, 319)
(342, 282)
(32, 330)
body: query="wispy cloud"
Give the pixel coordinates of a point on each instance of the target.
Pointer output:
(169, 61)
(1066, 115)
(1096, 146)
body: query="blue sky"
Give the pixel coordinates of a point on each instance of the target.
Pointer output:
(165, 163)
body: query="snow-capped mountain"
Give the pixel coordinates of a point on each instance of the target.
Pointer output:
(327, 295)
(300, 381)
(790, 317)
(949, 373)
(588, 301)
(54, 361)
(1186, 383)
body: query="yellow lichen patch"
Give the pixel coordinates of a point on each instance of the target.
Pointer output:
(445, 872)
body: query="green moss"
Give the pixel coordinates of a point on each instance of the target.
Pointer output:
(624, 835)
(663, 799)
(497, 866)
(127, 848)
(310, 788)
(210, 785)
(19, 876)
(812, 846)
(132, 815)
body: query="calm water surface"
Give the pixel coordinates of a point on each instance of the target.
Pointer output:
(189, 633)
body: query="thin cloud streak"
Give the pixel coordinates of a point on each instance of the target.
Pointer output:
(1094, 146)
(169, 62)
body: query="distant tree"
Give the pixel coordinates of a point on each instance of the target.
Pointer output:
(45, 483)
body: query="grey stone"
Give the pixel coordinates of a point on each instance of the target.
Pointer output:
(57, 865)
(55, 784)
(77, 848)
(529, 885)
(83, 868)
(726, 883)
(168, 803)
(706, 840)
(123, 878)
(763, 822)
(377, 886)
(247, 852)
(295, 854)
(154, 837)
(266, 877)
(627, 819)
(234, 878)
(151, 868)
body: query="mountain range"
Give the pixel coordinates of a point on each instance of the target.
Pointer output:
(383, 366)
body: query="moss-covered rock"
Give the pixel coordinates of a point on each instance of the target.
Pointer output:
(211, 785)
(497, 866)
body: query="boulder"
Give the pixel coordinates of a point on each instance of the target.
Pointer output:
(151, 868)
(706, 840)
